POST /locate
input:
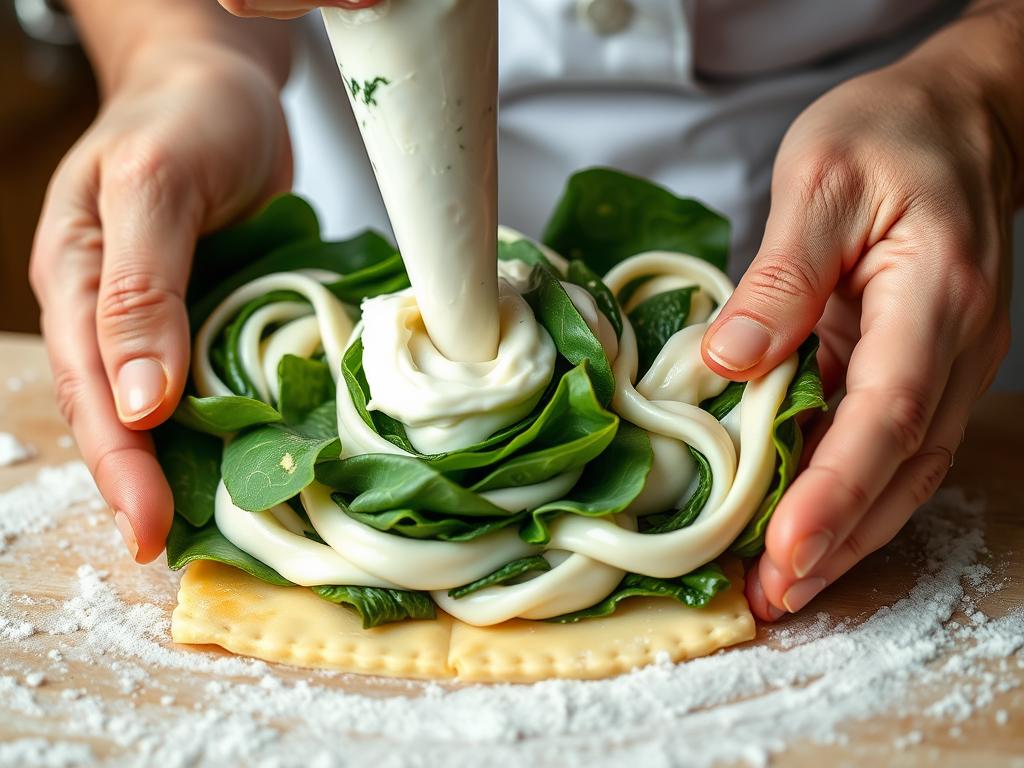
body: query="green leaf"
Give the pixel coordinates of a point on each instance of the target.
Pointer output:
(414, 524)
(658, 319)
(583, 276)
(608, 485)
(507, 572)
(720, 405)
(390, 429)
(304, 386)
(191, 463)
(686, 514)
(605, 216)
(222, 415)
(186, 543)
(234, 373)
(572, 430)
(365, 260)
(377, 606)
(380, 482)
(694, 589)
(570, 332)
(270, 464)
(805, 393)
(522, 250)
(285, 219)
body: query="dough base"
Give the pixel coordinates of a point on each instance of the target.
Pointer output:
(223, 606)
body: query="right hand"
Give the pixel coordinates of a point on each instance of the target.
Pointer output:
(189, 139)
(288, 9)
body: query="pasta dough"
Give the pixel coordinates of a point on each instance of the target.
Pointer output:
(223, 606)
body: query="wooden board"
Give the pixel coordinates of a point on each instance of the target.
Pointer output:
(990, 464)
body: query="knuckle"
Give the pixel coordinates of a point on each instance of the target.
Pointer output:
(68, 388)
(145, 168)
(130, 298)
(784, 274)
(828, 177)
(906, 418)
(852, 488)
(858, 547)
(930, 469)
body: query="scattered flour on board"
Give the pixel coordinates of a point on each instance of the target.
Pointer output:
(35, 506)
(13, 451)
(744, 704)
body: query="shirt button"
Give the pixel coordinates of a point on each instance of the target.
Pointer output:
(606, 17)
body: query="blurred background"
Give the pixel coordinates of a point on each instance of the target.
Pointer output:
(49, 98)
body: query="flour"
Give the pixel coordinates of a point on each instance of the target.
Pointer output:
(744, 704)
(34, 507)
(13, 451)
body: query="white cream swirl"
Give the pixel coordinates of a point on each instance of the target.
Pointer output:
(445, 404)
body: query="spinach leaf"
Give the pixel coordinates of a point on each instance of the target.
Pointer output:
(572, 430)
(656, 320)
(270, 464)
(608, 485)
(686, 514)
(720, 405)
(381, 482)
(570, 332)
(694, 589)
(222, 415)
(365, 261)
(580, 274)
(507, 572)
(390, 429)
(605, 216)
(191, 463)
(285, 219)
(186, 543)
(234, 372)
(385, 276)
(804, 394)
(415, 524)
(303, 386)
(377, 606)
(522, 250)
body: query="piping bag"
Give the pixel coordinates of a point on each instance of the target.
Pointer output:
(421, 76)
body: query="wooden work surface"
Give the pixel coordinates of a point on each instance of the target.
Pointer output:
(990, 464)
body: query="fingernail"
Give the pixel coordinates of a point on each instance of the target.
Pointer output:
(739, 343)
(125, 529)
(808, 553)
(141, 385)
(802, 592)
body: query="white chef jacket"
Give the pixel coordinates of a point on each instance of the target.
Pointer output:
(693, 94)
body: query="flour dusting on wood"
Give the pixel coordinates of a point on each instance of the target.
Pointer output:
(932, 652)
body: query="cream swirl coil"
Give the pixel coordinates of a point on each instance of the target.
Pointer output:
(446, 405)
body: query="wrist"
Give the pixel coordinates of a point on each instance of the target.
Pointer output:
(976, 61)
(123, 38)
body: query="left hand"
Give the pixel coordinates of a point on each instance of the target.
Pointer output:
(889, 236)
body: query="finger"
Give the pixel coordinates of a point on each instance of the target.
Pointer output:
(151, 220)
(783, 293)
(914, 483)
(897, 375)
(756, 599)
(288, 9)
(65, 271)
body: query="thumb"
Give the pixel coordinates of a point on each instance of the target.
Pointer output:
(783, 293)
(150, 221)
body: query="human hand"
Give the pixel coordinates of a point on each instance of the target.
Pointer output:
(190, 138)
(288, 9)
(889, 236)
